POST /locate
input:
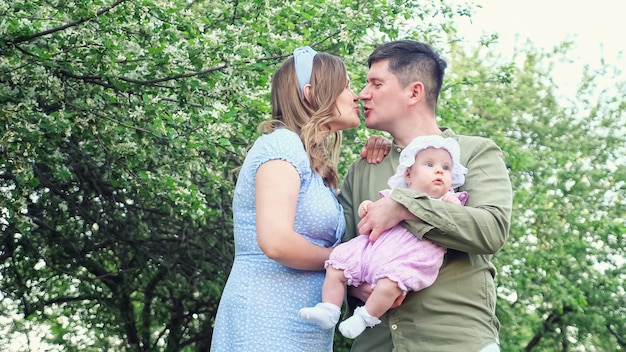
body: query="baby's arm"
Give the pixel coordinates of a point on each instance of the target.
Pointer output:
(363, 207)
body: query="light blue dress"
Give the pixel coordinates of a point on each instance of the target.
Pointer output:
(259, 307)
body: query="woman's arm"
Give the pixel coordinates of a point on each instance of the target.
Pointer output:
(277, 188)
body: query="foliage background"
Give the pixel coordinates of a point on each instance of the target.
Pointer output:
(121, 123)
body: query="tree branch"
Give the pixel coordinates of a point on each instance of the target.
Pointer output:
(548, 325)
(32, 308)
(66, 26)
(620, 340)
(182, 75)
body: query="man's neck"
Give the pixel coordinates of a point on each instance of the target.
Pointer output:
(403, 136)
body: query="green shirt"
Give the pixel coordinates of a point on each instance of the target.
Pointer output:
(456, 313)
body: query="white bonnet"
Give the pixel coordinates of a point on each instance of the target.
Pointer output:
(407, 159)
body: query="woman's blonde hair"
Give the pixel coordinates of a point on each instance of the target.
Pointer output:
(310, 118)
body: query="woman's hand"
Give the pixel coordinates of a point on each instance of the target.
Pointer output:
(375, 149)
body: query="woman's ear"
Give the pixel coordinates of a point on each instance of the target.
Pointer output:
(307, 92)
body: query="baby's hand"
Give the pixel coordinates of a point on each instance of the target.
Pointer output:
(363, 207)
(451, 198)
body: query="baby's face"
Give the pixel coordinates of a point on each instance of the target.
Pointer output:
(431, 173)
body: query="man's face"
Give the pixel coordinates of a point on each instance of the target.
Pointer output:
(384, 100)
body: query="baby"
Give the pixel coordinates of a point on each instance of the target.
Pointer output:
(398, 261)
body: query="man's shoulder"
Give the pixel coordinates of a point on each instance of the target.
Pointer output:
(448, 132)
(363, 174)
(465, 139)
(359, 164)
(472, 142)
(472, 145)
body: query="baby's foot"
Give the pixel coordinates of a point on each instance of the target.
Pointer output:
(356, 324)
(325, 315)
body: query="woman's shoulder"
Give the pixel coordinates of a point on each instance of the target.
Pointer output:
(281, 140)
(282, 144)
(284, 135)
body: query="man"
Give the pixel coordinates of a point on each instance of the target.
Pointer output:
(457, 313)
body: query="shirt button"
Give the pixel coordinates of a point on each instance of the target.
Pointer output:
(398, 149)
(394, 327)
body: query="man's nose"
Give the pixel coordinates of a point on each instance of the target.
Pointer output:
(363, 94)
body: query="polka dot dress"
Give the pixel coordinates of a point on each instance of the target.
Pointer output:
(259, 307)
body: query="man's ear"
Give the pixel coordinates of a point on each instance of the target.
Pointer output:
(307, 92)
(417, 91)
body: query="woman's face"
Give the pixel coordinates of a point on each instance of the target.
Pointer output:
(348, 111)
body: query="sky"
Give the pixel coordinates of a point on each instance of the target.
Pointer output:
(596, 27)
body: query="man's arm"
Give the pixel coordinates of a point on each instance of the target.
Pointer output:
(381, 215)
(480, 227)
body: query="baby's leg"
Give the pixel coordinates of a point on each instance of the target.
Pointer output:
(382, 298)
(326, 314)
(334, 287)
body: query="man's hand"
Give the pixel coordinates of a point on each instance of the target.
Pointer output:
(365, 290)
(375, 149)
(398, 301)
(362, 292)
(382, 215)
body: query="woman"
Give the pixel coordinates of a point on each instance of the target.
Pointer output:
(286, 215)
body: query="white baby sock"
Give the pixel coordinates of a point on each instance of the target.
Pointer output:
(325, 315)
(356, 324)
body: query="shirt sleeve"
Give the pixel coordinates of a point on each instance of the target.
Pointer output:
(281, 144)
(344, 197)
(480, 227)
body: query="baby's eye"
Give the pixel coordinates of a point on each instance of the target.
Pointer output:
(429, 164)
(446, 167)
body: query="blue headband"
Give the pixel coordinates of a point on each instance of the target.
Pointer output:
(303, 60)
